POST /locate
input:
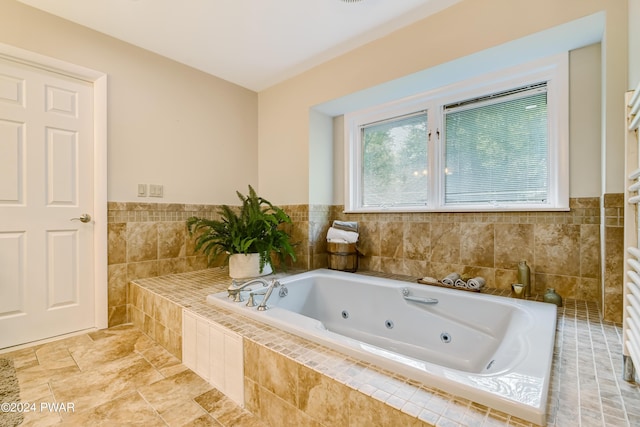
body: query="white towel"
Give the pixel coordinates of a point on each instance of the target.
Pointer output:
(450, 280)
(476, 283)
(342, 236)
(460, 283)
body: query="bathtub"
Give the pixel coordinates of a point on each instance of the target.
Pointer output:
(492, 350)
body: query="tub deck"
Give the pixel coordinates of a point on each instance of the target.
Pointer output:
(586, 387)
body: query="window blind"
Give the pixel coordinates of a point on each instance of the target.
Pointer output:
(496, 148)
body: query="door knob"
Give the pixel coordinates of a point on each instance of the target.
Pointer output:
(83, 218)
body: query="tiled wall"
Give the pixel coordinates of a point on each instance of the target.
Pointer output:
(151, 239)
(562, 248)
(614, 259)
(146, 240)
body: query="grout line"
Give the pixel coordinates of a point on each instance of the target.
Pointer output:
(590, 324)
(616, 376)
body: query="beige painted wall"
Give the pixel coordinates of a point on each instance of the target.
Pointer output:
(167, 123)
(634, 44)
(479, 25)
(585, 109)
(194, 133)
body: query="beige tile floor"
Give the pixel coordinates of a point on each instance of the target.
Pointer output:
(117, 377)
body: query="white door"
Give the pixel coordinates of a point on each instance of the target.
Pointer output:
(46, 180)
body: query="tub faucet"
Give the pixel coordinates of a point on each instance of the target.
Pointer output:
(235, 287)
(263, 304)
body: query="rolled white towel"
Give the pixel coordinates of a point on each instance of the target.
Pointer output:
(335, 235)
(450, 279)
(476, 283)
(460, 283)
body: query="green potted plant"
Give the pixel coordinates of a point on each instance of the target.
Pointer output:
(247, 236)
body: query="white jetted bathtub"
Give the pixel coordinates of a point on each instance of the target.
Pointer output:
(492, 350)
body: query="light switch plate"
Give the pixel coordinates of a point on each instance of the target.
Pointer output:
(142, 190)
(155, 190)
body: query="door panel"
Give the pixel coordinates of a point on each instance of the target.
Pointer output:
(46, 180)
(11, 162)
(62, 168)
(62, 275)
(12, 274)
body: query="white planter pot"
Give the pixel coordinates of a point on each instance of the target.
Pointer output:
(243, 266)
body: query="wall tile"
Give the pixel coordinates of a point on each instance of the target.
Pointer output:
(513, 243)
(279, 375)
(614, 273)
(557, 249)
(369, 242)
(589, 290)
(142, 270)
(117, 243)
(274, 410)
(505, 278)
(117, 315)
(590, 251)
(566, 286)
(417, 241)
(477, 244)
(322, 398)
(142, 241)
(171, 240)
(445, 243)
(251, 395)
(364, 411)
(391, 240)
(415, 268)
(172, 266)
(251, 360)
(117, 284)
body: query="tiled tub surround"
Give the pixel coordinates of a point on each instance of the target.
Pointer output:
(562, 248)
(484, 348)
(289, 378)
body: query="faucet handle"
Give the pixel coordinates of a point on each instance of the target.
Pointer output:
(250, 301)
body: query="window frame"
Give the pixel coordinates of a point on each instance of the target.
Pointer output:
(553, 70)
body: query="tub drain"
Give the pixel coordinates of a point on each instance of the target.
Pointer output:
(345, 314)
(388, 324)
(445, 337)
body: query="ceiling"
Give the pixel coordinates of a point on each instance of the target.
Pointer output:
(253, 43)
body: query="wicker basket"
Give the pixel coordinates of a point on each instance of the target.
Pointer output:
(342, 256)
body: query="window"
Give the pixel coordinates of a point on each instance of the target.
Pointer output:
(394, 162)
(495, 143)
